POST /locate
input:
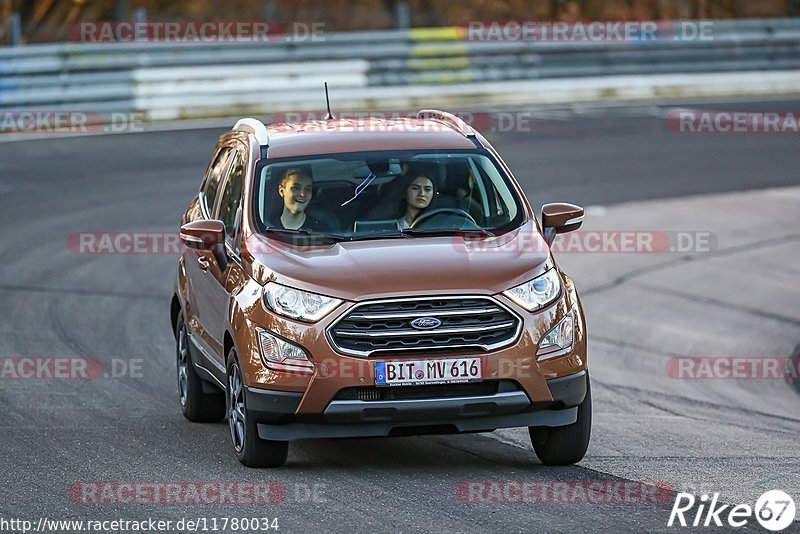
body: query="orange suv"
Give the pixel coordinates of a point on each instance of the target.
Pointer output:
(375, 277)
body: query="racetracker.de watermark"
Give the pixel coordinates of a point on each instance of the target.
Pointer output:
(196, 492)
(593, 242)
(577, 242)
(517, 121)
(68, 368)
(592, 32)
(69, 122)
(177, 493)
(125, 243)
(563, 492)
(195, 32)
(734, 122)
(762, 368)
(149, 524)
(350, 121)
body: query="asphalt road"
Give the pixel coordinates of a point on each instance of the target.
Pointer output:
(56, 433)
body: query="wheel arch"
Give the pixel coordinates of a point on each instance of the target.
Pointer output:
(174, 310)
(227, 345)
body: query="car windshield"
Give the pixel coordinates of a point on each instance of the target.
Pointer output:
(383, 194)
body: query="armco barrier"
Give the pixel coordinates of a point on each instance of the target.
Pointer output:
(170, 80)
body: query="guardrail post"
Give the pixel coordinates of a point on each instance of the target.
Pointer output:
(120, 9)
(403, 15)
(14, 30)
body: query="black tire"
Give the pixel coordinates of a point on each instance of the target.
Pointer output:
(196, 405)
(250, 449)
(565, 445)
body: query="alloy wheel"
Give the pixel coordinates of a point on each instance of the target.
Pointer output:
(236, 413)
(183, 363)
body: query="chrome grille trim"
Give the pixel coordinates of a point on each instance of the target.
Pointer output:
(394, 333)
(407, 315)
(484, 337)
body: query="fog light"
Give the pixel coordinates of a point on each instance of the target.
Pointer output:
(561, 335)
(280, 355)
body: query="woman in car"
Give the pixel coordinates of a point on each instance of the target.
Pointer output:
(296, 190)
(418, 195)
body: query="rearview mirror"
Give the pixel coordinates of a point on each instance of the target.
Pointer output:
(559, 218)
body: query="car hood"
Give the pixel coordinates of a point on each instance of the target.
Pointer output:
(357, 270)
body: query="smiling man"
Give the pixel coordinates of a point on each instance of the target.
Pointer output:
(296, 189)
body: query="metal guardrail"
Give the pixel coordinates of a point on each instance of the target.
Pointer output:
(177, 80)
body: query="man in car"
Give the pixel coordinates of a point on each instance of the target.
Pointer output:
(296, 190)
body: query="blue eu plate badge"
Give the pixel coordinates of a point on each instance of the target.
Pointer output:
(380, 373)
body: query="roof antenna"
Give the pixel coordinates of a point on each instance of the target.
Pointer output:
(329, 116)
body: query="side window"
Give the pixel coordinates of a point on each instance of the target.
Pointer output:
(232, 195)
(212, 183)
(498, 203)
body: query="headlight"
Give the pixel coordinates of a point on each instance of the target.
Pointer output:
(281, 355)
(297, 304)
(561, 335)
(537, 293)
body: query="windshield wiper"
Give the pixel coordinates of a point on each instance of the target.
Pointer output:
(305, 232)
(470, 232)
(379, 235)
(419, 232)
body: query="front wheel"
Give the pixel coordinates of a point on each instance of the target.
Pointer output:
(565, 445)
(250, 449)
(196, 405)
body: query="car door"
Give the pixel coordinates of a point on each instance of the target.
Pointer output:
(218, 290)
(202, 268)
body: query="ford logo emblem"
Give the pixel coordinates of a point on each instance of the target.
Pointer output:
(425, 323)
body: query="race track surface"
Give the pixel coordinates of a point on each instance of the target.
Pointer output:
(735, 437)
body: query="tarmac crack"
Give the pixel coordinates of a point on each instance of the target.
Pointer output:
(719, 303)
(635, 346)
(795, 383)
(694, 402)
(83, 292)
(729, 251)
(61, 332)
(477, 455)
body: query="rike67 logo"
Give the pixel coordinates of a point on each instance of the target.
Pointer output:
(774, 510)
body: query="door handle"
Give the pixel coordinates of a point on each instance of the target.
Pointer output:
(202, 262)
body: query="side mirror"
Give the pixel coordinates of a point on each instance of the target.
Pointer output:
(204, 235)
(559, 218)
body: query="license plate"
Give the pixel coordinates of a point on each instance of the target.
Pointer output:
(425, 372)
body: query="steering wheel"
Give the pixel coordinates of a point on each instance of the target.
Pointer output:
(437, 211)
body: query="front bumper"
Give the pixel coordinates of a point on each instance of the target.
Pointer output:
(275, 413)
(522, 361)
(568, 391)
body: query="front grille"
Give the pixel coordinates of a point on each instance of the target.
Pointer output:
(372, 393)
(385, 326)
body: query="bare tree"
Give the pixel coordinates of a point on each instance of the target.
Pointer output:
(48, 20)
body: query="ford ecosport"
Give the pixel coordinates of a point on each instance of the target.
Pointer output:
(375, 277)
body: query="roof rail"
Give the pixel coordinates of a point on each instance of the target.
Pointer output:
(255, 127)
(456, 123)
